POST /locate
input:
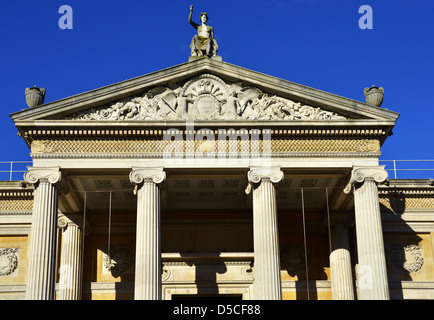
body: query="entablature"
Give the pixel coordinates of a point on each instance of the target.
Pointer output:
(361, 129)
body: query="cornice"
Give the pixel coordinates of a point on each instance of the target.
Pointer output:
(371, 155)
(429, 193)
(414, 191)
(155, 129)
(16, 190)
(365, 129)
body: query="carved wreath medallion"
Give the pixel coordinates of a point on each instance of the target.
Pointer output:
(120, 260)
(8, 261)
(292, 259)
(408, 258)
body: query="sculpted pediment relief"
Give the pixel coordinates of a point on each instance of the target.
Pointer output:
(206, 97)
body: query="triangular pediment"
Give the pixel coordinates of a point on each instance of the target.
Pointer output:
(205, 90)
(205, 97)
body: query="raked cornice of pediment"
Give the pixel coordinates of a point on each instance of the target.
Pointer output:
(206, 97)
(208, 90)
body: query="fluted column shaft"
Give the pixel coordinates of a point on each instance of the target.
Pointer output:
(70, 280)
(340, 264)
(42, 252)
(148, 235)
(371, 270)
(267, 284)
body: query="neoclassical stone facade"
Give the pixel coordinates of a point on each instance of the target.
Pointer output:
(207, 179)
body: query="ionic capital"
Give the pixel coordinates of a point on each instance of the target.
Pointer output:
(139, 175)
(35, 175)
(361, 174)
(63, 221)
(256, 175)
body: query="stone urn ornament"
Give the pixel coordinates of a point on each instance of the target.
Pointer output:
(374, 96)
(35, 96)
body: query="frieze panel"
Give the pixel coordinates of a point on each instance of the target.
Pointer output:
(399, 204)
(16, 205)
(206, 97)
(159, 147)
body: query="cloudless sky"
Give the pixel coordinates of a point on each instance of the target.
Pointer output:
(317, 43)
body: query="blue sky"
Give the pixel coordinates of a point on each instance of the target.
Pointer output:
(317, 43)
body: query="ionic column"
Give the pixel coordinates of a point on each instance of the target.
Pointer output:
(267, 284)
(42, 252)
(148, 236)
(70, 280)
(371, 269)
(340, 262)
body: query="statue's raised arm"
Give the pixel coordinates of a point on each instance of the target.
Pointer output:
(190, 21)
(203, 43)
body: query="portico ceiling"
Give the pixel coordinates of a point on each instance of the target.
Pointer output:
(187, 191)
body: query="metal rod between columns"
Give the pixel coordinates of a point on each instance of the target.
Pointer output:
(305, 245)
